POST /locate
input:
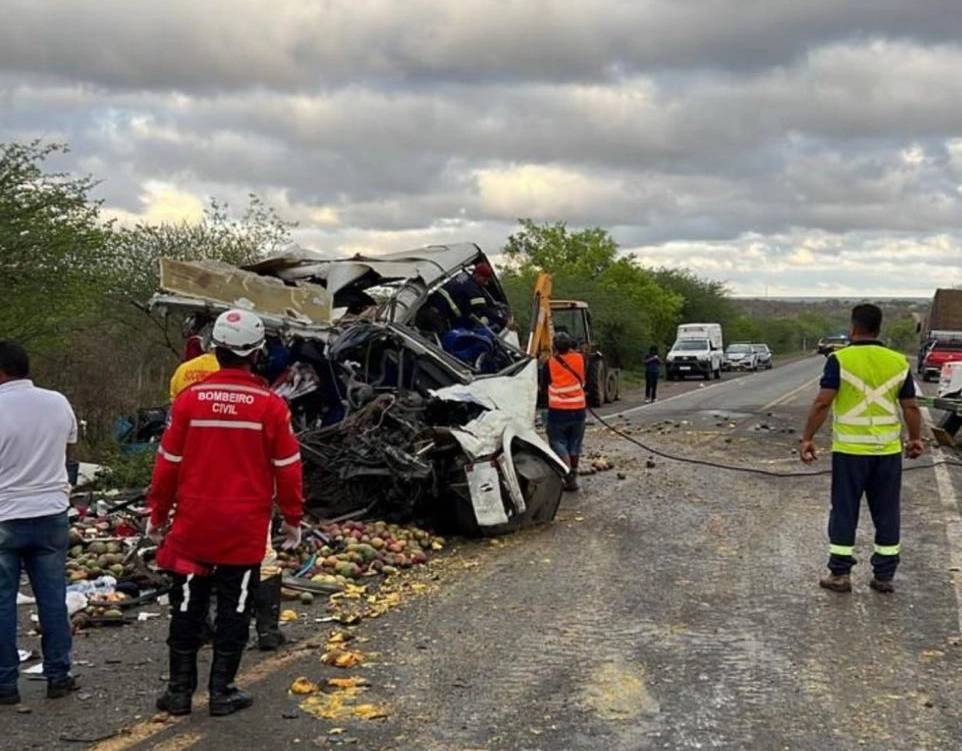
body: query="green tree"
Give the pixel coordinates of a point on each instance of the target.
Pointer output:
(551, 247)
(630, 310)
(54, 249)
(901, 334)
(741, 328)
(218, 236)
(703, 300)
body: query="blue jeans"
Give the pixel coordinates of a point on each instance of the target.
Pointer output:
(566, 430)
(40, 545)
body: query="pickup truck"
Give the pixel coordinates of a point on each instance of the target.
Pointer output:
(942, 351)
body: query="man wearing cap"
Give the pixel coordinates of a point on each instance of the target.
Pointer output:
(191, 371)
(228, 456)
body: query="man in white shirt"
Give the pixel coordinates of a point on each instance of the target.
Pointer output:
(37, 432)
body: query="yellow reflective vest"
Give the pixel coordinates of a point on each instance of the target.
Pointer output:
(866, 407)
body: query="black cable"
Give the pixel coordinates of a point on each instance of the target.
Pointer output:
(747, 470)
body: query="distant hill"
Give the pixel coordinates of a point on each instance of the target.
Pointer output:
(849, 301)
(793, 324)
(830, 307)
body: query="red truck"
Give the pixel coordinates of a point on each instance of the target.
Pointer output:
(939, 352)
(941, 331)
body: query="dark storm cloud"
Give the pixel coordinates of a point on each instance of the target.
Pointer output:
(722, 134)
(295, 44)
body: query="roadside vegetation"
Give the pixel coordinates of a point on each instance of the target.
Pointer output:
(74, 286)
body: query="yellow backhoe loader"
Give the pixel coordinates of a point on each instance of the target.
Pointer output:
(572, 316)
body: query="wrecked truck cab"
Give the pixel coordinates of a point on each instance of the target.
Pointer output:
(390, 423)
(410, 276)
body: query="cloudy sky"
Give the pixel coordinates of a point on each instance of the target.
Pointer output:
(788, 147)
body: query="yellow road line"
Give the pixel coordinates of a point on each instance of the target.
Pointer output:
(135, 734)
(179, 743)
(794, 392)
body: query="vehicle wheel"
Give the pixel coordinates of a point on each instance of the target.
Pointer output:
(611, 387)
(595, 386)
(708, 374)
(542, 487)
(718, 374)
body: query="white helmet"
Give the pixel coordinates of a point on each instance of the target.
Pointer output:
(238, 331)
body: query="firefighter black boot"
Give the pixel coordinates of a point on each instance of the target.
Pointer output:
(182, 683)
(267, 612)
(225, 697)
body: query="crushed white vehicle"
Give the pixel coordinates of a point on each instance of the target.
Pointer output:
(394, 418)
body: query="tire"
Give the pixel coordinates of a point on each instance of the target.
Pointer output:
(708, 374)
(611, 387)
(541, 485)
(595, 386)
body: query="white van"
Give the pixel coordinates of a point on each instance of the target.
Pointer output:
(698, 351)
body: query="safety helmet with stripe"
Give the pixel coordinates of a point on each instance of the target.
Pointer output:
(238, 331)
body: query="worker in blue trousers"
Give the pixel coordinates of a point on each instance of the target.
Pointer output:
(864, 385)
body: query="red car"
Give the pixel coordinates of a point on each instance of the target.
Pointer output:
(943, 351)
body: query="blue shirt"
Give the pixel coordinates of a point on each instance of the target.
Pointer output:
(832, 375)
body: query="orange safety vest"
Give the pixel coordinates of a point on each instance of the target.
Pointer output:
(566, 390)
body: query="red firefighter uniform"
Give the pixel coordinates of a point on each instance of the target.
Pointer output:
(228, 455)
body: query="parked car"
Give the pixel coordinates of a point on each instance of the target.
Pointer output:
(829, 344)
(763, 356)
(740, 356)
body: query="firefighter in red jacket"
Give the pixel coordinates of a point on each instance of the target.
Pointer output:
(228, 455)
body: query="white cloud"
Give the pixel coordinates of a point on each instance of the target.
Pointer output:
(821, 264)
(161, 202)
(806, 146)
(544, 192)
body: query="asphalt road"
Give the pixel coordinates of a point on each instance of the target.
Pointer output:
(668, 390)
(676, 608)
(735, 391)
